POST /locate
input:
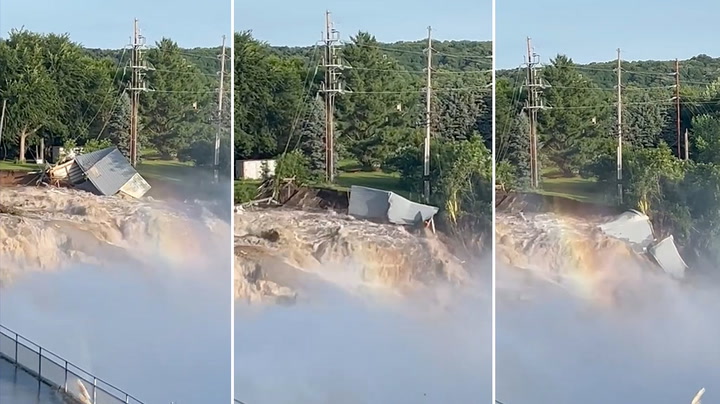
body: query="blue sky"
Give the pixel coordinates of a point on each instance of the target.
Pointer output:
(592, 31)
(283, 22)
(109, 23)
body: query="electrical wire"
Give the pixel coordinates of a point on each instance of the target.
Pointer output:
(301, 107)
(435, 72)
(112, 87)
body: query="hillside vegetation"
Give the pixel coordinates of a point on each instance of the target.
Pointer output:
(379, 118)
(578, 135)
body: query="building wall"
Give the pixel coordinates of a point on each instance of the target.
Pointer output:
(253, 169)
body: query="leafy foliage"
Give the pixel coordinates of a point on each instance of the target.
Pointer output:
(374, 120)
(61, 93)
(579, 135)
(293, 165)
(312, 139)
(460, 178)
(379, 118)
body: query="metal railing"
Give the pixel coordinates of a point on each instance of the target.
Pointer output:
(57, 372)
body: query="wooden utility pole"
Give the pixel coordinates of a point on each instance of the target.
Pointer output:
(619, 128)
(532, 108)
(677, 106)
(428, 106)
(220, 117)
(331, 87)
(137, 84)
(2, 118)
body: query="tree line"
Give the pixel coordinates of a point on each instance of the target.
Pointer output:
(380, 118)
(59, 93)
(578, 137)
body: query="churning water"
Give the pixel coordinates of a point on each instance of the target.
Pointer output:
(379, 315)
(133, 292)
(581, 320)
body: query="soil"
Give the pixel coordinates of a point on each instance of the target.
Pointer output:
(12, 177)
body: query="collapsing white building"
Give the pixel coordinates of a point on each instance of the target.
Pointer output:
(102, 172)
(635, 228)
(386, 206)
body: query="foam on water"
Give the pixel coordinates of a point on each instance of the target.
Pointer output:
(379, 314)
(580, 318)
(136, 292)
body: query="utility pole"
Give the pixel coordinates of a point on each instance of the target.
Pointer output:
(331, 87)
(619, 128)
(532, 107)
(677, 105)
(2, 118)
(220, 110)
(428, 105)
(137, 85)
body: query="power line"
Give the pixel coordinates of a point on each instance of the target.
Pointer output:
(117, 102)
(137, 85)
(659, 74)
(216, 161)
(477, 59)
(657, 102)
(97, 113)
(619, 128)
(183, 91)
(428, 101)
(301, 111)
(514, 99)
(331, 88)
(445, 72)
(677, 103)
(110, 90)
(191, 55)
(421, 53)
(532, 106)
(595, 88)
(186, 72)
(421, 91)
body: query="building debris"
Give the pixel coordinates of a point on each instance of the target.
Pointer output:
(668, 257)
(102, 172)
(635, 228)
(386, 206)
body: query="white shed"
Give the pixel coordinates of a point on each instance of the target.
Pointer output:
(254, 169)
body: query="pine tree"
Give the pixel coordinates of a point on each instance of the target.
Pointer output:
(312, 137)
(118, 127)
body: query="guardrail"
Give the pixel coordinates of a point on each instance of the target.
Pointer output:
(57, 372)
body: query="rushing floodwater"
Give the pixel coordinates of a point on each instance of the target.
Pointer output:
(556, 348)
(353, 349)
(135, 292)
(607, 332)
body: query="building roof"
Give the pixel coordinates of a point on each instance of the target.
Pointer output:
(107, 169)
(371, 203)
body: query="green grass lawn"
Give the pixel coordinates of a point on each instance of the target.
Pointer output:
(174, 171)
(169, 170)
(576, 188)
(350, 173)
(371, 179)
(7, 165)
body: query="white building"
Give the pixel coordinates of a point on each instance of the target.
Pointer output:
(254, 169)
